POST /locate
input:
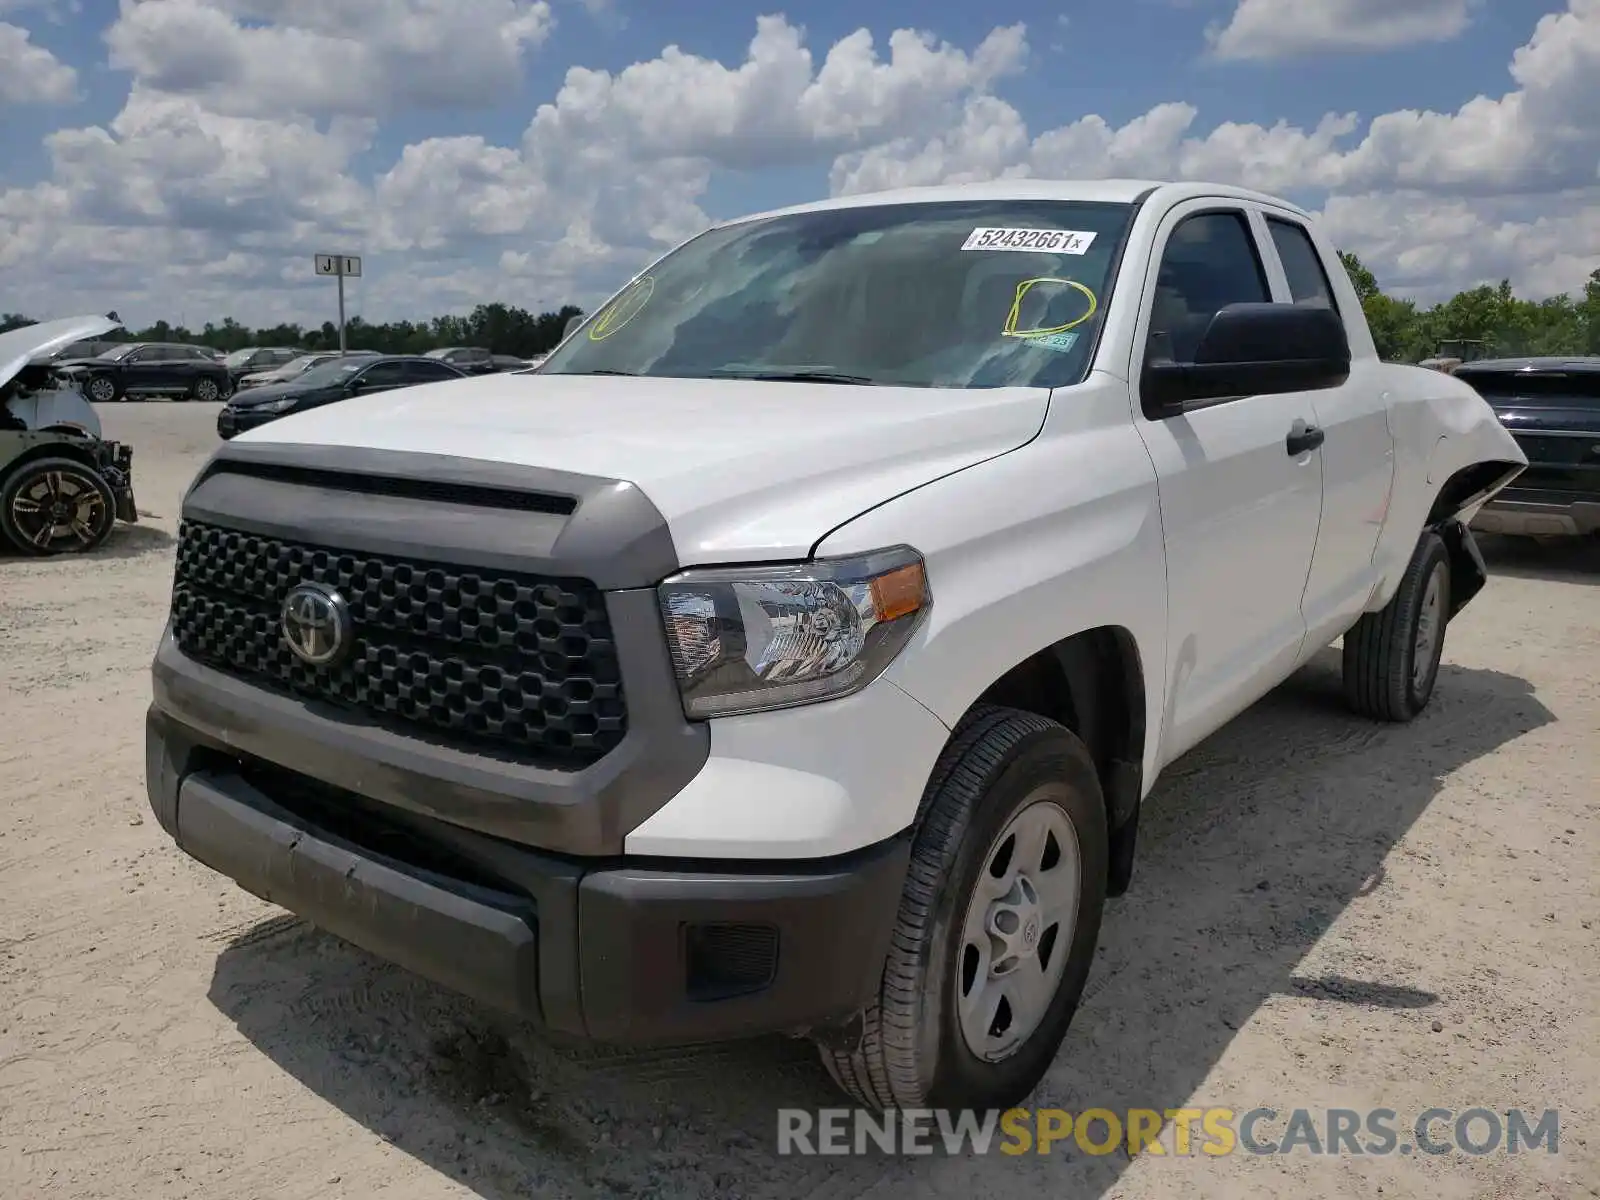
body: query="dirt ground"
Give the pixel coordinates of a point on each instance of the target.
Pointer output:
(1326, 913)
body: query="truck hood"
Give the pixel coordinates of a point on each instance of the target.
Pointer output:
(21, 346)
(741, 470)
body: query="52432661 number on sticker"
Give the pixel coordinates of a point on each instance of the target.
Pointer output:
(1046, 241)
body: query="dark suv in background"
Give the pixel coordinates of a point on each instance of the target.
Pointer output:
(257, 358)
(135, 370)
(1552, 407)
(475, 360)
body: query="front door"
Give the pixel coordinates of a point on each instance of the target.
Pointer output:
(142, 369)
(1239, 510)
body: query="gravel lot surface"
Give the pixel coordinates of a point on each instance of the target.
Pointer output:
(1326, 913)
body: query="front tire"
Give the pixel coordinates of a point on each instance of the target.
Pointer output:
(997, 924)
(56, 506)
(1391, 657)
(102, 389)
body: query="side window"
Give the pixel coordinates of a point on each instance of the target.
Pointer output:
(429, 372)
(1210, 262)
(384, 375)
(143, 354)
(1308, 281)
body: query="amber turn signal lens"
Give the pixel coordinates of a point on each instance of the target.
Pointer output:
(899, 592)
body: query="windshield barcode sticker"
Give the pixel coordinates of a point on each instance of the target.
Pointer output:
(1038, 241)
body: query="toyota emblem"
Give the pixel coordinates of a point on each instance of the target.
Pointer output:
(316, 624)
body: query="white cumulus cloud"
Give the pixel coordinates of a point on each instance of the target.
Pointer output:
(30, 74)
(1261, 29)
(247, 138)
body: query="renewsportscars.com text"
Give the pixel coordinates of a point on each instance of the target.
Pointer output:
(1179, 1132)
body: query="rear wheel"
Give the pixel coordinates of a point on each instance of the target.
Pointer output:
(997, 923)
(1391, 657)
(206, 390)
(56, 506)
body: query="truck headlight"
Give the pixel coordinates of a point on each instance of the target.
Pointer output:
(747, 639)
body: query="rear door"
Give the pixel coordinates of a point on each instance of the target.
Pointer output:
(183, 367)
(1358, 450)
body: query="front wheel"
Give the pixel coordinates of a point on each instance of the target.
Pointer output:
(102, 389)
(997, 924)
(1391, 657)
(56, 506)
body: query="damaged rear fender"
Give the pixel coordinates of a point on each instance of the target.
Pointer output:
(1451, 455)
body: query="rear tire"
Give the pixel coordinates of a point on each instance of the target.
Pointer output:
(205, 390)
(1391, 657)
(1004, 895)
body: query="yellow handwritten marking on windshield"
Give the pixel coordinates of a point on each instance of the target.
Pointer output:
(1010, 328)
(624, 309)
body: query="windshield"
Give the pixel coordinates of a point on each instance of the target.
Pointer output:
(238, 358)
(995, 293)
(296, 365)
(334, 371)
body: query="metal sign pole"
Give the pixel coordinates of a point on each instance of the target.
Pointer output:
(339, 265)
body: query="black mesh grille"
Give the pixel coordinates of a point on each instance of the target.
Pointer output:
(520, 662)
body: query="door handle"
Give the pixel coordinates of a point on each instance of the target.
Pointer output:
(1303, 438)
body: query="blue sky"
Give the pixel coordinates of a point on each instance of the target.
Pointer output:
(1115, 63)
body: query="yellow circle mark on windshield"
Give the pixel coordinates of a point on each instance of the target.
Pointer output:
(626, 306)
(1015, 315)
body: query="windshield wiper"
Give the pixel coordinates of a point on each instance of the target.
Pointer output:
(793, 376)
(601, 371)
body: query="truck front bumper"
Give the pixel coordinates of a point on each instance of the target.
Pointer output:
(617, 950)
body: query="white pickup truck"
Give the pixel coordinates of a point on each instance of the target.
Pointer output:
(793, 649)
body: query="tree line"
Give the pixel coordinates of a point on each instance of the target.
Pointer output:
(1485, 320)
(501, 328)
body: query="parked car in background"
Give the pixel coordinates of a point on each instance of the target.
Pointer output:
(63, 487)
(294, 368)
(1552, 408)
(338, 379)
(475, 360)
(253, 359)
(138, 370)
(85, 348)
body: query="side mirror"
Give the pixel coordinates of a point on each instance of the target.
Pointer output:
(1252, 350)
(572, 323)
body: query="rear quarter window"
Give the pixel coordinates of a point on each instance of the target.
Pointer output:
(1308, 280)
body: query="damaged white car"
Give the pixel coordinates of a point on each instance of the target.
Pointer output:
(63, 486)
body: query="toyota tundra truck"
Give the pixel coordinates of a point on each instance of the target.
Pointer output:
(792, 650)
